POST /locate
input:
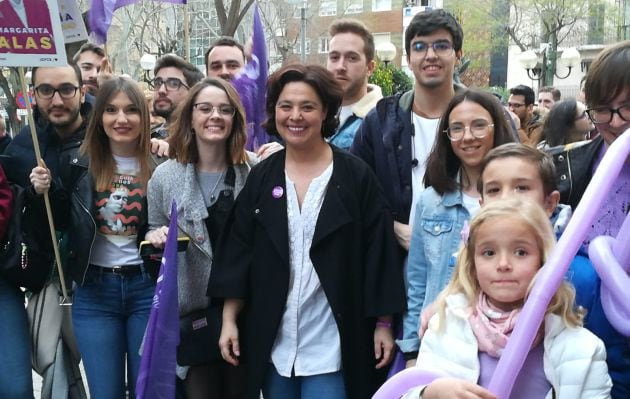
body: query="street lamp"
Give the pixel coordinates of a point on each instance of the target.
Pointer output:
(570, 58)
(386, 52)
(147, 63)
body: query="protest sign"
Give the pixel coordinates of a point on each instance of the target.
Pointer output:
(30, 34)
(71, 21)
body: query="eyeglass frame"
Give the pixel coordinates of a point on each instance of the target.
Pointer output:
(468, 127)
(154, 86)
(611, 113)
(217, 108)
(432, 45)
(56, 90)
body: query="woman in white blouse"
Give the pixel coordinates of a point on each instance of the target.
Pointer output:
(309, 261)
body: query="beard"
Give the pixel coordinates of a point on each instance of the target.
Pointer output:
(164, 112)
(70, 118)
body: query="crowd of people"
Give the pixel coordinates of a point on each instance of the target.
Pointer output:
(368, 228)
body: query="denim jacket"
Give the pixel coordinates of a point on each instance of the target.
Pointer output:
(435, 237)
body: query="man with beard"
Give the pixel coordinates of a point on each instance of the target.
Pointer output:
(174, 76)
(90, 59)
(351, 60)
(60, 120)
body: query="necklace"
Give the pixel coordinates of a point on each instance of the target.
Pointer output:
(212, 192)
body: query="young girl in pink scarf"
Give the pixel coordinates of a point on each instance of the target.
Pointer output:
(508, 242)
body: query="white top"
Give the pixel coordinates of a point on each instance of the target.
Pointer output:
(421, 145)
(308, 340)
(344, 113)
(471, 204)
(118, 213)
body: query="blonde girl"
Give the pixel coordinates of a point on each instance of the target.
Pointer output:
(507, 243)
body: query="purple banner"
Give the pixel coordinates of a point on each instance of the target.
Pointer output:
(101, 13)
(156, 379)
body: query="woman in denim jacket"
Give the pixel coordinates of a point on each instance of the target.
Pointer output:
(472, 125)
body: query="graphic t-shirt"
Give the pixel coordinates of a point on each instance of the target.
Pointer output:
(118, 217)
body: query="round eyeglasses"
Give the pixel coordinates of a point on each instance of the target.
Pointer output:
(478, 129)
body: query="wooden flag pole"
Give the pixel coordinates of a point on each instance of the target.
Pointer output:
(38, 156)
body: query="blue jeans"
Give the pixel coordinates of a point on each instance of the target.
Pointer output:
(329, 386)
(110, 314)
(16, 381)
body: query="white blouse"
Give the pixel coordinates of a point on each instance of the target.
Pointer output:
(307, 342)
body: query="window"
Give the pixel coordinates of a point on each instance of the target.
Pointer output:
(381, 5)
(328, 7)
(323, 45)
(354, 6)
(382, 38)
(297, 49)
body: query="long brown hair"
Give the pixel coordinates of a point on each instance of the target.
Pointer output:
(96, 144)
(183, 146)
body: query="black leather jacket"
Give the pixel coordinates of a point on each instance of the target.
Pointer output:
(574, 168)
(79, 213)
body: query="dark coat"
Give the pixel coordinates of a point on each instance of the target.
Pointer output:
(6, 203)
(354, 253)
(574, 168)
(78, 216)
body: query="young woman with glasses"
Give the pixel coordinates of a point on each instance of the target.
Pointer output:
(207, 170)
(567, 122)
(473, 124)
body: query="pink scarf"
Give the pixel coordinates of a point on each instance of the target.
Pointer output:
(491, 326)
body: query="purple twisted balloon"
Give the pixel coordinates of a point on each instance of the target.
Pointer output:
(609, 255)
(550, 277)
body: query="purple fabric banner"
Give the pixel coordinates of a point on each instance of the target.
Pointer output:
(156, 379)
(101, 13)
(251, 85)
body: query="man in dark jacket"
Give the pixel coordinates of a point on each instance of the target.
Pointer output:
(396, 137)
(60, 118)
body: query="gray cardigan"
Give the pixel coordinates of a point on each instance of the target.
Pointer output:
(173, 180)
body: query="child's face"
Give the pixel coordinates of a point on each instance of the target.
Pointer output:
(507, 257)
(515, 177)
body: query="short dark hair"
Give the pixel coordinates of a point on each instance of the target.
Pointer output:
(442, 164)
(559, 122)
(87, 46)
(183, 146)
(525, 91)
(191, 73)
(76, 69)
(428, 21)
(316, 76)
(555, 93)
(358, 28)
(608, 75)
(544, 162)
(223, 41)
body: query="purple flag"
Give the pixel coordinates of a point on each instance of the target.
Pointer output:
(156, 378)
(101, 12)
(251, 86)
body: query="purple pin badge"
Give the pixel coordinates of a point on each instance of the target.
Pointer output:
(277, 192)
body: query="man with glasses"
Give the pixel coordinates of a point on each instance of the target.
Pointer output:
(607, 92)
(173, 77)
(60, 118)
(397, 135)
(521, 103)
